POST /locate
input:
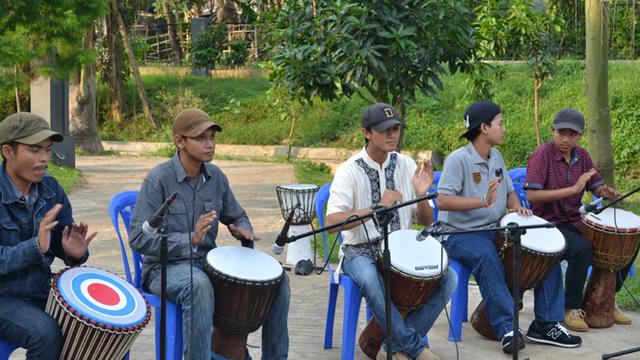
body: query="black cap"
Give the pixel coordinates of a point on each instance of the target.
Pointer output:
(479, 112)
(569, 119)
(380, 117)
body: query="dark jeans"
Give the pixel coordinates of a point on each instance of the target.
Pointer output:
(25, 324)
(578, 255)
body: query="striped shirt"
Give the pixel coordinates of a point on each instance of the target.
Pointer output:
(360, 182)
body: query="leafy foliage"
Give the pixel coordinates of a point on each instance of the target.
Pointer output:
(238, 55)
(207, 49)
(48, 33)
(380, 50)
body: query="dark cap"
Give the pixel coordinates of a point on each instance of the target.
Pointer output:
(26, 128)
(193, 122)
(380, 117)
(479, 112)
(569, 119)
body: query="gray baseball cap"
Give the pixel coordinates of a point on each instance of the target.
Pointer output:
(380, 117)
(569, 119)
(26, 128)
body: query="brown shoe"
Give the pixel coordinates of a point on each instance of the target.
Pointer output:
(427, 354)
(382, 355)
(620, 318)
(574, 320)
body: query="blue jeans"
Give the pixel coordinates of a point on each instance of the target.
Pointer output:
(275, 335)
(25, 324)
(478, 252)
(408, 333)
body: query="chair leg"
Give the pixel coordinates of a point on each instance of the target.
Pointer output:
(459, 301)
(331, 313)
(352, 300)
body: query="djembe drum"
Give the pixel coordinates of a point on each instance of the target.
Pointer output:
(614, 235)
(245, 283)
(299, 198)
(100, 314)
(541, 250)
(416, 270)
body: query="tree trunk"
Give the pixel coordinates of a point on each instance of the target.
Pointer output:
(133, 63)
(82, 104)
(294, 118)
(16, 73)
(536, 116)
(117, 107)
(596, 76)
(173, 33)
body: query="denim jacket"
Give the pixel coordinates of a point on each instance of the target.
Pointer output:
(24, 270)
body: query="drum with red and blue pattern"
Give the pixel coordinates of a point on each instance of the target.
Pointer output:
(100, 314)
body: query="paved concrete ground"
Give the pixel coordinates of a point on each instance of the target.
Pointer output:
(254, 185)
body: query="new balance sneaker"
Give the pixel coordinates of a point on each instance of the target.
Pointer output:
(507, 342)
(552, 334)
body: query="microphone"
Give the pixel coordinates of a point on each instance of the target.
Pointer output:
(430, 230)
(585, 209)
(151, 226)
(278, 245)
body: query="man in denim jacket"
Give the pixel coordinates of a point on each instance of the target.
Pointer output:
(36, 224)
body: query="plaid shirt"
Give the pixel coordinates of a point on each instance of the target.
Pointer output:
(547, 169)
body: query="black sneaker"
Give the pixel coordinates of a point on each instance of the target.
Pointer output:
(552, 334)
(507, 342)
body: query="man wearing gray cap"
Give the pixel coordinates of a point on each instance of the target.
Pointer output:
(36, 225)
(205, 199)
(380, 176)
(558, 173)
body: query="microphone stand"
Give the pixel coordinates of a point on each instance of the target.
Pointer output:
(514, 233)
(163, 289)
(382, 214)
(598, 211)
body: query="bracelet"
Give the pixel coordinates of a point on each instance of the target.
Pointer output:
(484, 201)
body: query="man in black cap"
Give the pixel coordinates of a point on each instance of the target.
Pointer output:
(36, 225)
(474, 192)
(558, 173)
(380, 176)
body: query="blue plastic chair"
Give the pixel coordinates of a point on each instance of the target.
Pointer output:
(460, 296)
(6, 348)
(122, 205)
(352, 295)
(518, 177)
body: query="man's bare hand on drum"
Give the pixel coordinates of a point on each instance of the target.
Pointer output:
(75, 241)
(608, 192)
(423, 178)
(243, 234)
(390, 197)
(582, 181)
(523, 211)
(202, 227)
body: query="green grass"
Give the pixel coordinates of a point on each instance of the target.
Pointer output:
(629, 297)
(69, 178)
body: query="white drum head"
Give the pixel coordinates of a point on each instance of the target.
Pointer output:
(416, 258)
(625, 220)
(244, 263)
(297, 187)
(543, 240)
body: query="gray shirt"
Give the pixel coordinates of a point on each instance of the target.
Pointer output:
(467, 174)
(211, 191)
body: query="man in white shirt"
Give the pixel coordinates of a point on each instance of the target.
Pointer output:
(380, 176)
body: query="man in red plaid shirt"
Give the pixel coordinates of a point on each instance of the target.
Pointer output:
(558, 173)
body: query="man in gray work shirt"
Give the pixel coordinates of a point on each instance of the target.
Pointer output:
(204, 198)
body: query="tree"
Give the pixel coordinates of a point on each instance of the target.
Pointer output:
(172, 28)
(596, 78)
(133, 63)
(206, 50)
(54, 38)
(382, 51)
